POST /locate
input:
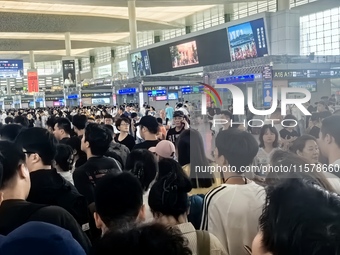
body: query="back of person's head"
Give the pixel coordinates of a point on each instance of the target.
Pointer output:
(21, 120)
(190, 150)
(11, 159)
(169, 195)
(40, 238)
(299, 218)
(151, 239)
(331, 128)
(38, 141)
(10, 132)
(79, 121)
(143, 165)
(9, 120)
(289, 120)
(64, 157)
(305, 169)
(50, 122)
(133, 115)
(110, 127)
(118, 200)
(98, 138)
(235, 148)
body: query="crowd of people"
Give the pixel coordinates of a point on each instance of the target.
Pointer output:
(104, 180)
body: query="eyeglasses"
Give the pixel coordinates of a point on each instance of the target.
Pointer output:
(125, 124)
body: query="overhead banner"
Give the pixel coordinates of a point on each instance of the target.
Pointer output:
(32, 81)
(69, 72)
(267, 75)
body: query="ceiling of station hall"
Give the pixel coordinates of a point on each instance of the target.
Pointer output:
(41, 24)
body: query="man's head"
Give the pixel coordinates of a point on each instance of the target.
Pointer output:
(123, 124)
(62, 128)
(299, 218)
(9, 120)
(321, 107)
(10, 132)
(236, 149)
(146, 239)
(108, 119)
(50, 124)
(329, 137)
(118, 200)
(79, 123)
(178, 118)
(97, 140)
(39, 145)
(15, 174)
(21, 120)
(148, 125)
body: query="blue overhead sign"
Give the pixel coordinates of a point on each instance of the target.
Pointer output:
(11, 68)
(127, 91)
(236, 79)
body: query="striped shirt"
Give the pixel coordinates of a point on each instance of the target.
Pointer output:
(231, 213)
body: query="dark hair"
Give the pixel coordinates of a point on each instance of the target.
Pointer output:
(300, 218)
(65, 124)
(272, 129)
(11, 157)
(40, 141)
(108, 116)
(191, 151)
(21, 120)
(64, 157)
(331, 126)
(109, 127)
(10, 132)
(151, 239)
(9, 120)
(98, 117)
(159, 120)
(167, 166)
(143, 165)
(287, 159)
(133, 115)
(289, 119)
(300, 143)
(79, 121)
(120, 120)
(239, 148)
(227, 113)
(51, 122)
(118, 197)
(169, 195)
(99, 138)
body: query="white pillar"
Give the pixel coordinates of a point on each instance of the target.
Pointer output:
(283, 5)
(32, 59)
(132, 23)
(68, 47)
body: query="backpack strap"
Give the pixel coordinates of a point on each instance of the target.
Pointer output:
(203, 242)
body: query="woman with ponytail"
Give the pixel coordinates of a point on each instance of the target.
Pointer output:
(142, 163)
(169, 204)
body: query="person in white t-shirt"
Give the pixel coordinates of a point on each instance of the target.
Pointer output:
(232, 210)
(329, 144)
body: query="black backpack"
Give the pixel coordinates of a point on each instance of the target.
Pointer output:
(76, 204)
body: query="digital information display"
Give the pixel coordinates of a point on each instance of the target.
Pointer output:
(184, 54)
(140, 63)
(11, 68)
(248, 40)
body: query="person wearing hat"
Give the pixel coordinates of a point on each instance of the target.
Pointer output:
(148, 131)
(40, 238)
(180, 125)
(164, 149)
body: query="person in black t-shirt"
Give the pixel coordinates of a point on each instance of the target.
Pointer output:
(16, 211)
(149, 129)
(288, 134)
(123, 125)
(211, 113)
(62, 130)
(180, 125)
(95, 143)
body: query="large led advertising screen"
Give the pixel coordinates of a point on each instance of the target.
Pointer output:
(184, 54)
(140, 63)
(11, 68)
(248, 40)
(201, 50)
